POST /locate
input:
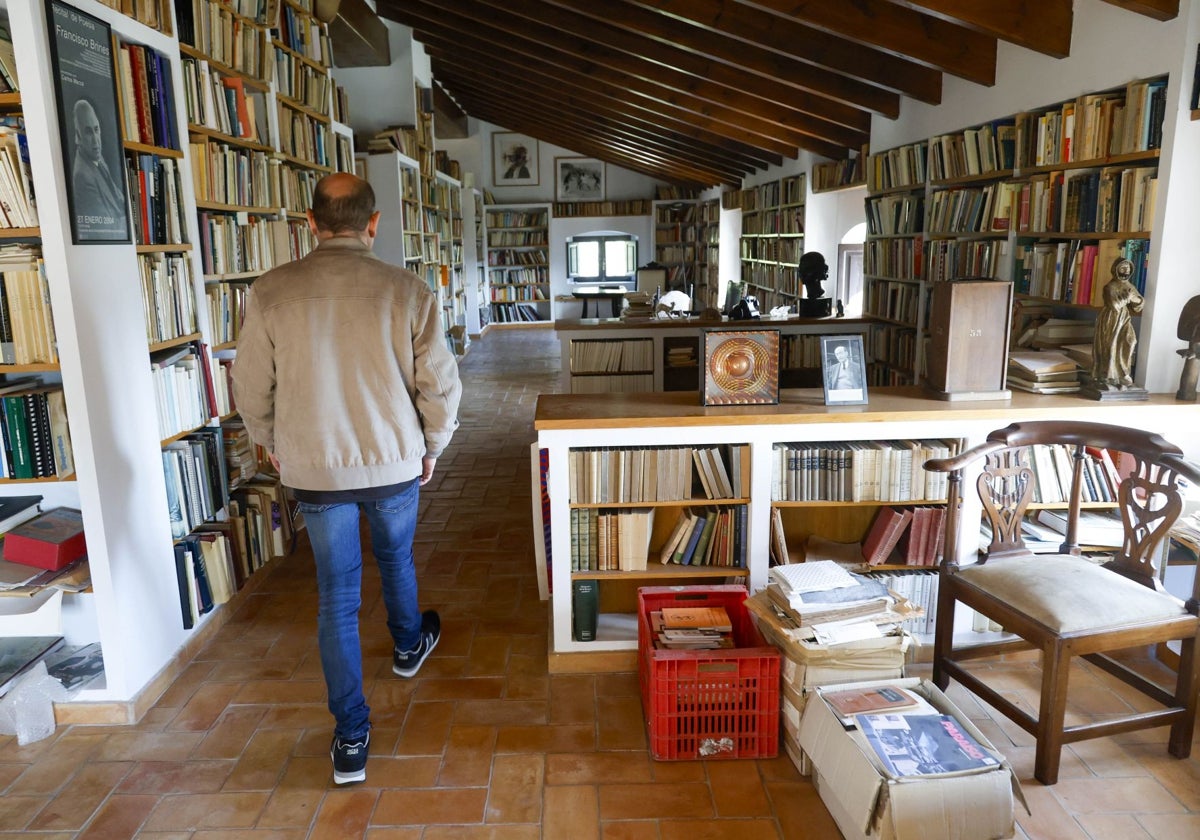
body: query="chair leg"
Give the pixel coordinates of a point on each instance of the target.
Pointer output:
(943, 636)
(1186, 690)
(1056, 666)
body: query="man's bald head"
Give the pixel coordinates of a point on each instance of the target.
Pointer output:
(342, 203)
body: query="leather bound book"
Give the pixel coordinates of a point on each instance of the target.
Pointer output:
(885, 532)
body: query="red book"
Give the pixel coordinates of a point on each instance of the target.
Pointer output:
(51, 541)
(885, 532)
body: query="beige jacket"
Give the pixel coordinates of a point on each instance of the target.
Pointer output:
(343, 372)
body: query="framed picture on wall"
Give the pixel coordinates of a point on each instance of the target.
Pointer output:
(578, 179)
(514, 160)
(741, 367)
(85, 91)
(845, 369)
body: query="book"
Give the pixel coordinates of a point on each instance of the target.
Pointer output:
(20, 653)
(76, 667)
(49, 541)
(853, 701)
(585, 606)
(17, 509)
(923, 745)
(885, 531)
(697, 618)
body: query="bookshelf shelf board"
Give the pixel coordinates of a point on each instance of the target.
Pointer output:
(53, 479)
(875, 236)
(228, 345)
(670, 503)
(1055, 234)
(307, 164)
(980, 178)
(296, 105)
(231, 277)
(147, 149)
(857, 185)
(236, 208)
(905, 188)
(20, 233)
(183, 434)
(655, 570)
(316, 65)
(1109, 160)
(46, 367)
(222, 68)
(173, 248)
(240, 142)
(969, 234)
(175, 342)
(10, 101)
(871, 503)
(892, 279)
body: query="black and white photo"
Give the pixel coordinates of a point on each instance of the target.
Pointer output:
(845, 369)
(514, 160)
(578, 179)
(81, 52)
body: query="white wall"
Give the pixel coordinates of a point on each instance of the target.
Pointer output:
(1109, 47)
(382, 97)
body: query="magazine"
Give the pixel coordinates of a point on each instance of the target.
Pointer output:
(923, 745)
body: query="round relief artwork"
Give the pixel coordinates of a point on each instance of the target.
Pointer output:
(739, 366)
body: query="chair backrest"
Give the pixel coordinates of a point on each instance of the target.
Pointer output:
(1149, 496)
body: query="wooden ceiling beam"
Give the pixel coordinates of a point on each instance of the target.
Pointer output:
(1040, 25)
(776, 128)
(639, 111)
(576, 118)
(787, 43)
(581, 107)
(935, 43)
(1157, 9)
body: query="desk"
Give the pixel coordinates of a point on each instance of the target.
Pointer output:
(595, 294)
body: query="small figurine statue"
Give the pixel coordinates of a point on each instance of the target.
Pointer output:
(813, 274)
(1115, 340)
(1189, 331)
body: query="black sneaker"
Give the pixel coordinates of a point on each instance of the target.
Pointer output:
(349, 759)
(407, 663)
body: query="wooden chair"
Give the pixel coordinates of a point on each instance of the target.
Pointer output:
(1064, 604)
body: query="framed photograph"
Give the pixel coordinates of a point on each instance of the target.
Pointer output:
(741, 367)
(85, 91)
(514, 160)
(845, 369)
(578, 179)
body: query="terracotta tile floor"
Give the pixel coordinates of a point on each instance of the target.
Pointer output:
(484, 743)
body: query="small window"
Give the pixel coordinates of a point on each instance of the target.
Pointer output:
(602, 258)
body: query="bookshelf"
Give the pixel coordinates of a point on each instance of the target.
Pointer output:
(475, 277)
(772, 241)
(518, 262)
(570, 425)
(677, 230)
(845, 174)
(708, 253)
(452, 290)
(396, 180)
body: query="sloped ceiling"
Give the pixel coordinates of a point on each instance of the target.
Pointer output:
(705, 92)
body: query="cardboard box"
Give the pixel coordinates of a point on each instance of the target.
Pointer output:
(866, 803)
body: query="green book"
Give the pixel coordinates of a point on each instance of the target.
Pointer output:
(585, 609)
(17, 427)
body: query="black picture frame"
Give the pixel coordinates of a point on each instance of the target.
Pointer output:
(85, 93)
(741, 367)
(854, 391)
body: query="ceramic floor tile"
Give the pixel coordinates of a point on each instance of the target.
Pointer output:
(719, 830)
(120, 817)
(429, 807)
(515, 791)
(468, 758)
(344, 814)
(571, 811)
(660, 800)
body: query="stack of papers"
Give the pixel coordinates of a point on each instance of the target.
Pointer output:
(821, 590)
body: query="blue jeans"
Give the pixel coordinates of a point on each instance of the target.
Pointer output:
(333, 531)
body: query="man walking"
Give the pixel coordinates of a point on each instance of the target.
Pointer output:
(344, 377)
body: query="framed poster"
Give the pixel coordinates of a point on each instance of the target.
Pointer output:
(578, 179)
(514, 160)
(741, 367)
(845, 369)
(86, 94)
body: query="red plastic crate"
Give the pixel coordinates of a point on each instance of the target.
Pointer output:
(708, 703)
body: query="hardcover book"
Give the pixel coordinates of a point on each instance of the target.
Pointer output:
(50, 541)
(855, 701)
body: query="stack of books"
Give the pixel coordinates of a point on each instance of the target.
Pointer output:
(1043, 372)
(639, 305)
(821, 591)
(692, 628)
(1055, 332)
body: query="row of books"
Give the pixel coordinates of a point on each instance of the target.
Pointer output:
(26, 322)
(18, 208)
(889, 215)
(244, 178)
(194, 469)
(241, 463)
(1053, 469)
(616, 383)
(184, 391)
(839, 173)
(168, 296)
(1073, 271)
(33, 427)
(9, 82)
(229, 247)
(213, 29)
(304, 137)
(154, 195)
(610, 540)
(614, 475)
(860, 471)
(223, 103)
(974, 151)
(951, 259)
(1109, 200)
(907, 535)
(711, 536)
(302, 83)
(612, 356)
(147, 96)
(226, 310)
